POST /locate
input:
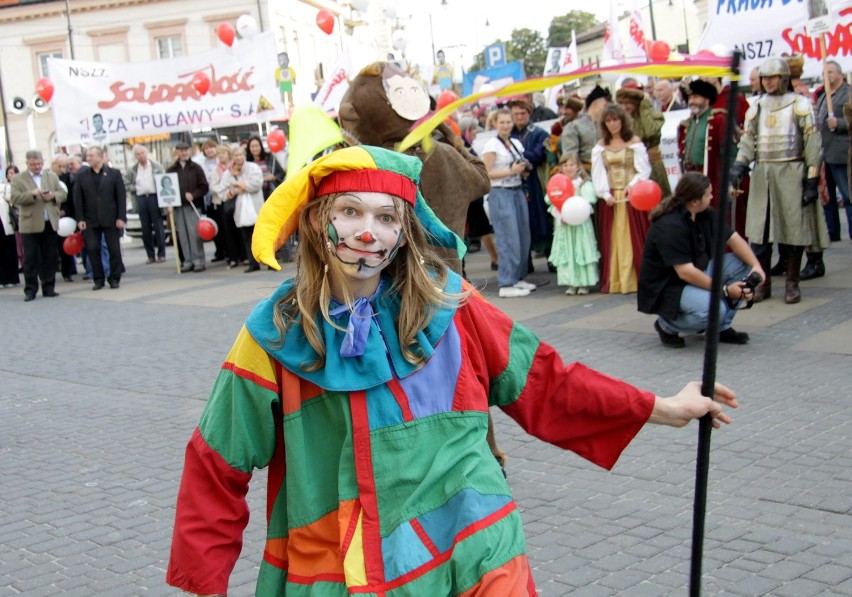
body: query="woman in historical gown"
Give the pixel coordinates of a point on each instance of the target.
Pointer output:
(619, 161)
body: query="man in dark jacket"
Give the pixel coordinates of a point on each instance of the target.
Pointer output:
(193, 187)
(100, 204)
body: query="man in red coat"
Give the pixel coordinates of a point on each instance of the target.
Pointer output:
(700, 140)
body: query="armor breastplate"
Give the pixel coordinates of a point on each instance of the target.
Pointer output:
(779, 138)
(619, 168)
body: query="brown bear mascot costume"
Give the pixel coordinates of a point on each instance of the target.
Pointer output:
(381, 106)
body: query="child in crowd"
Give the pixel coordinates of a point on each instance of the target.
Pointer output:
(364, 385)
(575, 251)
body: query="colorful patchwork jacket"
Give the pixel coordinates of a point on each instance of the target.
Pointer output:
(380, 477)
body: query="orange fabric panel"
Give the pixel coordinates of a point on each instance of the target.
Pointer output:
(512, 579)
(295, 391)
(315, 549)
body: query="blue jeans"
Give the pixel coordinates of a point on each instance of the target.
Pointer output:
(693, 312)
(510, 219)
(836, 180)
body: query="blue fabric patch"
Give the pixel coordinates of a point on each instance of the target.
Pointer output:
(382, 408)
(382, 355)
(403, 551)
(431, 388)
(462, 510)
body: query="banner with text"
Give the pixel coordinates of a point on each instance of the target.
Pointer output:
(96, 102)
(765, 28)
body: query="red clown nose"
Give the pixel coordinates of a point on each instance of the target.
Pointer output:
(366, 237)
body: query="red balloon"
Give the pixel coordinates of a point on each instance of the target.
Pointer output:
(201, 83)
(645, 195)
(445, 99)
(44, 89)
(660, 51)
(72, 245)
(276, 140)
(207, 228)
(226, 34)
(559, 190)
(705, 53)
(325, 21)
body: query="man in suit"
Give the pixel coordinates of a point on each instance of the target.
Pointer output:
(38, 194)
(100, 203)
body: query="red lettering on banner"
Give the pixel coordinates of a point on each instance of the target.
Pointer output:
(837, 43)
(337, 80)
(636, 33)
(164, 92)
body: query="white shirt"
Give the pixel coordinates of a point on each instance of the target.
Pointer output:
(145, 180)
(504, 160)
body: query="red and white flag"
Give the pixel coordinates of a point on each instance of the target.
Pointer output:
(567, 61)
(612, 49)
(634, 50)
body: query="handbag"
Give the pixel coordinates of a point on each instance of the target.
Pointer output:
(13, 217)
(245, 214)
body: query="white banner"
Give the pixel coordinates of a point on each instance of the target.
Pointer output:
(764, 29)
(99, 102)
(668, 144)
(560, 60)
(612, 48)
(335, 86)
(634, 50)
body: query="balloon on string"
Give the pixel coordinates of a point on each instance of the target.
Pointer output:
(226, 34)
(276, 140)
(325, 21)
(576, 210)
(645, 195)
(610, 76)
(559, 188)
(445, 99)
(72, 245)
(66, 227)
(389, 9)
(660, 51)
(399, 40)
(246, 26)
(207, 228)
(201, 83)
(44, 89)
(360, 5)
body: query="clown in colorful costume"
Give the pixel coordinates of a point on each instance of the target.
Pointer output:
(380, 479)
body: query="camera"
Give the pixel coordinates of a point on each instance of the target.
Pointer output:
(527, 165)
(750, 282)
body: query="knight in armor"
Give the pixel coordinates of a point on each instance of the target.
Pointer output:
(781, 138)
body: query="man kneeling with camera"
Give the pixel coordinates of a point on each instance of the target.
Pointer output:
(675, 275)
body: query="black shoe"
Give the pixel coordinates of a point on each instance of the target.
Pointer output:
(670, 340)
(779, 269)
(68, 278)
(50, 293)
(252, 268)
(475, 247)
(187, 268)
(493, 267)
(813, 269)
(98, 286)
(29, 297)
(217, 259)
(113, 284)
(732, 336)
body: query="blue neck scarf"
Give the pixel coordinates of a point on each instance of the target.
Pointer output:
(360, 319)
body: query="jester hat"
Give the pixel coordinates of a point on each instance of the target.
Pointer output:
(360, 168)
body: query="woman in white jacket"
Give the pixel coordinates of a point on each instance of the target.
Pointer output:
(243, 181)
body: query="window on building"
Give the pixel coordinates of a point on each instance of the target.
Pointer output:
(42, 61)
(169, 47)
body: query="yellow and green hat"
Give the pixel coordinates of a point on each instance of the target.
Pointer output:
(359, 168)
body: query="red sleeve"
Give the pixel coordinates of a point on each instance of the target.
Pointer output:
(573, 407)
(211, 515)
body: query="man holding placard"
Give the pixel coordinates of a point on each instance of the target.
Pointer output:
(141, 185)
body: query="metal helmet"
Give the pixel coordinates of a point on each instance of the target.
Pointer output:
(776, 66)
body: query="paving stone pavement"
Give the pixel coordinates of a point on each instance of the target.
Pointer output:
(101, 391)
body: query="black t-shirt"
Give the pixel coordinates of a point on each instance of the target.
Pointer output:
(674, 239)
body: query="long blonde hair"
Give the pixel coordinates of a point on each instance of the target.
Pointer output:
(417, 273)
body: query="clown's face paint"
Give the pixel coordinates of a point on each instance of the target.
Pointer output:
(365, 233)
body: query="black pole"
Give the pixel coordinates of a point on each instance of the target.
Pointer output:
(5, 124)
(711, 342)
(651, 15)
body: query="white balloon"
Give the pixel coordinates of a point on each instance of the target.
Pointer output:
(576, 210)
(389, 8)
(611, 76)
(246, 26)
(399, 40)
(360, 5)
(67, 226)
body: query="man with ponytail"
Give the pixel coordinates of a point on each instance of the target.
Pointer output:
(675, 277)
